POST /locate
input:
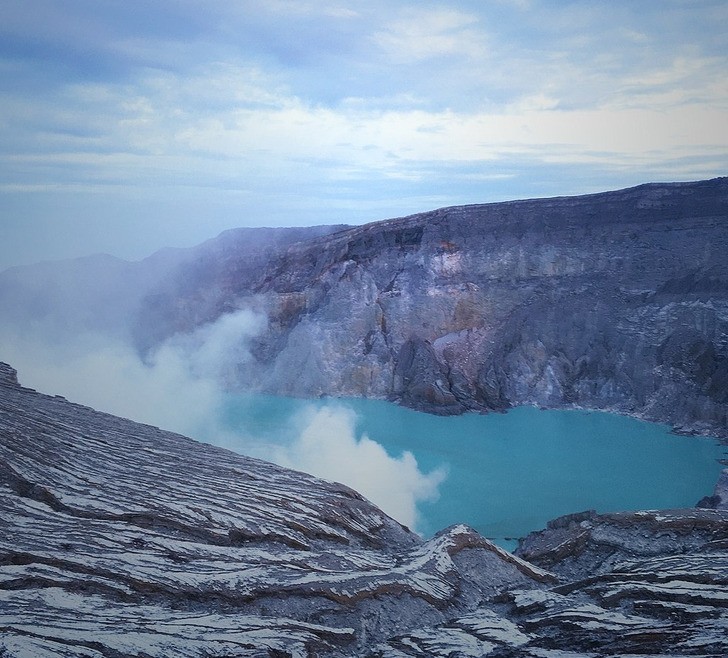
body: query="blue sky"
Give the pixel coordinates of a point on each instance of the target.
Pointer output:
(127, 126)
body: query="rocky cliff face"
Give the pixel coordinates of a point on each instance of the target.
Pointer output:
(615, 301)
(119, 539)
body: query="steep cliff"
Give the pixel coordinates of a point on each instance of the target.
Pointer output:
(615, 301)
(118, 539)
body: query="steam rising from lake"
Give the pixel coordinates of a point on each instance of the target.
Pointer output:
(180, 387)
(506, 474)
(329, 448)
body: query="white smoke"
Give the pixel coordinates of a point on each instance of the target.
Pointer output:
(181, 387)
(329, 448)
(178, 388)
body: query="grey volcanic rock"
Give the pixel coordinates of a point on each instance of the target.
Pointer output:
(588, 544)
(721, 490)
(8, 375)
(664, 574)
(719, 499)
(644, 584)
(615, 301)
(118, 539)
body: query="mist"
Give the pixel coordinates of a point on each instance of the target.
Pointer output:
(181, 387)
(328, 447)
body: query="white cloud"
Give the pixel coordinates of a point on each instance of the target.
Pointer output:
(288, 8)
(370, 103)
(240, 128)
(680, 81)
(424, 34)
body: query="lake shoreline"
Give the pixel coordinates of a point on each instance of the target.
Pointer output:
(418, 432)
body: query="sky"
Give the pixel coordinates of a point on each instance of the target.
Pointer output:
(129, 126)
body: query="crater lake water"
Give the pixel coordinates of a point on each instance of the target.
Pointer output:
(510, 473)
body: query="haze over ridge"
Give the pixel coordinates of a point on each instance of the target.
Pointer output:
(127, 128)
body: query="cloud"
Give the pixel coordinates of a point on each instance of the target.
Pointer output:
(177, 111)
(236, 127)
(423, 34)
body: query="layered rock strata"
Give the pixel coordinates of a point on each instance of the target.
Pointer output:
(615, 301)
(633, 584)
(119, 539)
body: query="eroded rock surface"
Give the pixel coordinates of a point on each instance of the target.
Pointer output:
(118, 539)
(637, 584)
(614, 301)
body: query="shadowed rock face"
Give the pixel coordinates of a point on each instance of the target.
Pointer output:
(119, 539)
(614, 301)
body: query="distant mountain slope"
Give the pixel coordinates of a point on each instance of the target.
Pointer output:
(119, 539)
(102, 293)
(614, 301)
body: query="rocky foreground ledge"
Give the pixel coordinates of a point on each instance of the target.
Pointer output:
(118, 539)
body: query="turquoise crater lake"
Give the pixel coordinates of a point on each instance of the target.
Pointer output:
(508, 474)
